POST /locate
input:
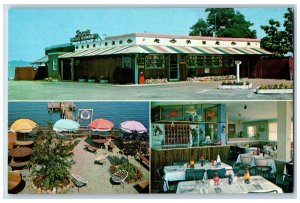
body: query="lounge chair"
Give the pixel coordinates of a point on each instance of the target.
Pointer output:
(119, 177)
(78, 181)
(91, 148)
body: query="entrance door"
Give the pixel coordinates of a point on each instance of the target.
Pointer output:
(67, 70)
(173, 67)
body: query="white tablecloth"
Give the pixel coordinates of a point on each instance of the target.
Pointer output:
(271, 162)
(257, 184)
(177, 173)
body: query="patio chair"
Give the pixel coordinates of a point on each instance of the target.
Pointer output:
(282, 179)
(101, 159)
(246, 160)
(78, 181)
(119, 177)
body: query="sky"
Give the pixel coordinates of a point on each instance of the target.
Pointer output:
(30, 30)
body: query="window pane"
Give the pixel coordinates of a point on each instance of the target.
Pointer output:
(272, 131)
(251, 131)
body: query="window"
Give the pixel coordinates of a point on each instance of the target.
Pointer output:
(105, 44)
(155, 61)
(87, 46)
(203, 42)
(198, 61)
(251, 131)
(121, 42)
(82, 46)
(54, 64)
(94, 45)
(126, 62)
(272, 131)
(248, 43)
(113, 43)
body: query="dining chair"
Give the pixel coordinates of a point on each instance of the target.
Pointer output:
(282, 179)
(199, 174)
(189, 174)
(211, 172)
(246, 160)
(262, 168)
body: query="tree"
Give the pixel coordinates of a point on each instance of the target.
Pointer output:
(50, 164)
(224, 22)
(280, 42)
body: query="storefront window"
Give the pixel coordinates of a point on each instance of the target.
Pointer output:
(198, 61)
(155, 61)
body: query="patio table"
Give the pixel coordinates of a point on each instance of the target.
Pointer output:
(20, 152)
(177, 173)
(14, 179)
(271, 162)
(100, 141)
(257, 184)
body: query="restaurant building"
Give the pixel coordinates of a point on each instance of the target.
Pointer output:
(174, 57)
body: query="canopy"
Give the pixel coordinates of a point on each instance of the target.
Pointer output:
(23, 126)
(131, 126)
(157, 49)
(65, 125)
(41, 60)
(101, 124)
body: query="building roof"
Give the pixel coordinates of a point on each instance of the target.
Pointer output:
(149, 49)
(59, 46)
(182, 37)
(44, 59)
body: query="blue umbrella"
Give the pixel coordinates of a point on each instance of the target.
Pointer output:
(65, 125)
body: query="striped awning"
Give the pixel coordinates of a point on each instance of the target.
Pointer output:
(147, 49)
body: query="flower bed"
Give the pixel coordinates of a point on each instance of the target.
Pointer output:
(211, 78)
(62, 188)
(235, 85)
(134, 174)
(275, 89)
(156, 81)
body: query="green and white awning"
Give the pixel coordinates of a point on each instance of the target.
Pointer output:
(149, 49)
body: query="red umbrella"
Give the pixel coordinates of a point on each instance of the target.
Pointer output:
(101, 125)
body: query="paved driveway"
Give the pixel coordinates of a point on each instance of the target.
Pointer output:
(40, 90)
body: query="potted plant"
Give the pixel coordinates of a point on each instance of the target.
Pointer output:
(82, 79)
(92, 79)
(103, 79)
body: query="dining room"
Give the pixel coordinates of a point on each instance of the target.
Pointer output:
(232, 147)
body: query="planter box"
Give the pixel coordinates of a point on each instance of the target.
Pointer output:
(244, 87)
(91, 80)
(274, 91)
(103, 81)
(81, 80)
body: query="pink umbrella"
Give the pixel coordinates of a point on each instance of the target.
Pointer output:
(130, 126)
(101, 124)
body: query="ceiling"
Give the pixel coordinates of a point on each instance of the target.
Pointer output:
(256, 110)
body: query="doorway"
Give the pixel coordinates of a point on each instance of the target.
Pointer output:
(173, 67)
(67, 72)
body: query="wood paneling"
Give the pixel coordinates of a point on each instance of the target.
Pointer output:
(166, 157)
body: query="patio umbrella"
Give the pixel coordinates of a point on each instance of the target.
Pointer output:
(23, 126)
(101, 124)
(65, 125)
(131, 126)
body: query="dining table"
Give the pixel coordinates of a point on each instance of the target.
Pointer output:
(20, 152)
(271, 162)
(257, 184)
(177, 173)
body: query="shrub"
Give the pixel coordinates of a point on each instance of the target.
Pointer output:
(235, 83)
(276, 86)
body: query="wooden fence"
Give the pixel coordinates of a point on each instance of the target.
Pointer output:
(275, 68)
(25, 73)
